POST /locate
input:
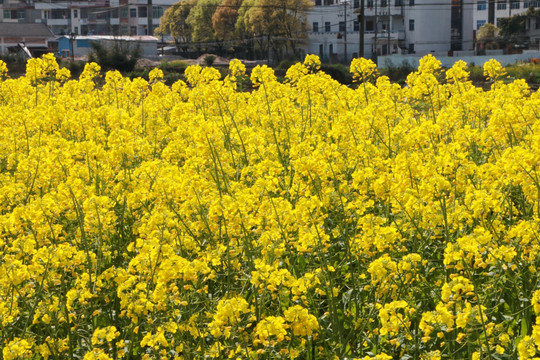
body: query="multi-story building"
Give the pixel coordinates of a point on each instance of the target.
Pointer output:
(492, 11)
(390, 27)
(88, 17)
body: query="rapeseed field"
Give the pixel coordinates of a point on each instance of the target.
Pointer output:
(301, 220)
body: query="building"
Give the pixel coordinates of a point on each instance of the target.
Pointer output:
(532, 31)
(88, 17)
(491, 11)
(35, 37)
(390, 27)
(462, 34)
(81, 45)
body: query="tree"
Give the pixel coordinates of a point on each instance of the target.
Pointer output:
(487, 37)
(224, 19)
(200, 20)
(512, 26)
(244, 31)
(283, 21)
(174, 22)
(487, 32)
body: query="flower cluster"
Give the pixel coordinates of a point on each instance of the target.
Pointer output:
(303, 219)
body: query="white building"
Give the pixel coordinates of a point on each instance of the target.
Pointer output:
(491, 11)
(390, 26)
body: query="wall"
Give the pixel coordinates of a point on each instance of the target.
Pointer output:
(448, 61)
(83, 47)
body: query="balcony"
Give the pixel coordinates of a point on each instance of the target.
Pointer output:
(58, 22)
(384, 11)
(369, 35)
(394, 35)
(99, 3)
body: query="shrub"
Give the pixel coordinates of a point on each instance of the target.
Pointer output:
(75, 67)
(171, 78)
(175, 66)
(209, 60)
(398, 73)
(338, 72)
(16, 63)
(118, 57)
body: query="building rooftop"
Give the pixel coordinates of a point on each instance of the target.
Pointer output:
(112, 37)
(25, 30)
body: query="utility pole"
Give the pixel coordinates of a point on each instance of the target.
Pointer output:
(362, 28)
(389, 27)
(345, 35)
(375, 35)
(149, 17)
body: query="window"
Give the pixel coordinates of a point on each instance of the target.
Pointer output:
(370, 26)
(143, 11)
(537, 4)
(526, 4)
(76, 30)
(514, 4)
(124, 14)
(370, 3)
(411, 48)
(20, 14)
(356, 4)
(124, 30)
(481, 5)
(342, 26)
(133, 13)
(7, 14)
(132, 30)
(315, 26)
(157, 12)
(75, 13)
(60, 14)
(327, 27)
(411, 2)
(501, 5)
(384, 3)
(480, 23)
(399, 2)
(411, 24)
(356, 25)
